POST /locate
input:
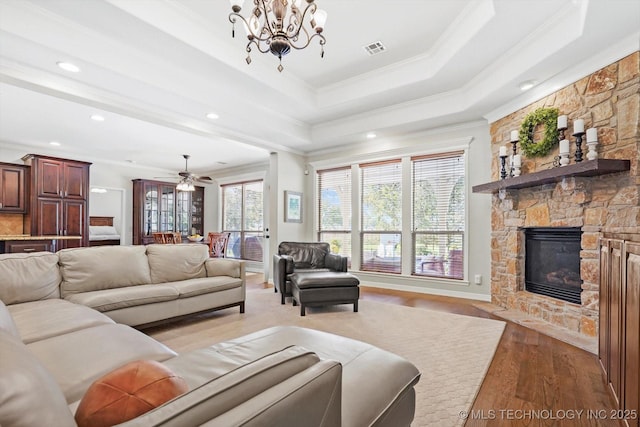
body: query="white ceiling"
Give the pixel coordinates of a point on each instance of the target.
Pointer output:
(155, 68)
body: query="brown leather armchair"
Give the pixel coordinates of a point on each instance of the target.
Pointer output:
(297, 257)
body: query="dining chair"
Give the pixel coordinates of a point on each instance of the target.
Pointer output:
(218, 244)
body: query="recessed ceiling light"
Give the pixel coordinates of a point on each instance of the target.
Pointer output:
(526, 85)
(213, 116)
(55, 143)
(97, 118)
(371, 135)
(68, 66)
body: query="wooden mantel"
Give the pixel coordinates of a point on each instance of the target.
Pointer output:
(548, 176)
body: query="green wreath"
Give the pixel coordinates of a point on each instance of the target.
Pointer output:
(546, 116)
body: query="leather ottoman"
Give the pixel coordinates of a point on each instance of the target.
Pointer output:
(324, 288)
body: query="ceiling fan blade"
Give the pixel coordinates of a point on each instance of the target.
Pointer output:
(185, 174)
(203, 178)
(164, 177)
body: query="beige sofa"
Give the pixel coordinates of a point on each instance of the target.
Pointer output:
(52, 349)
(137, 285)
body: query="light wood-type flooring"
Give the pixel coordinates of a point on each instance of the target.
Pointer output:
(534, 380)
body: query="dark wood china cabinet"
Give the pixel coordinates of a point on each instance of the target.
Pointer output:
(13, 191)
(159, 207)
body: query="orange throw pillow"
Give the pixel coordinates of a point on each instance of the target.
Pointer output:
(128, 392)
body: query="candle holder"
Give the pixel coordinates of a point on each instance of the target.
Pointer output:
(516, 170)
(561, 133)
(592, 154)
(578, 155)
(503, 170)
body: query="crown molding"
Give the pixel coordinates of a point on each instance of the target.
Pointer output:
(599, 60)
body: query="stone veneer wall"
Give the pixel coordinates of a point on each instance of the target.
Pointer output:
(608, 99)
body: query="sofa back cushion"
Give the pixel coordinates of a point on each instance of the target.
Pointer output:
(29, 277)
(102, 267)
(29, 396)
(305, 254)
(172, 263)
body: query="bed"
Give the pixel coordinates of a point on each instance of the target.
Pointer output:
(102, 232)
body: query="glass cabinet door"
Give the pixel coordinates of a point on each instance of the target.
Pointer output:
(151, 209)
(167, 208)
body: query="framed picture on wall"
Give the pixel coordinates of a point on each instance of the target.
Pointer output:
(292, 206)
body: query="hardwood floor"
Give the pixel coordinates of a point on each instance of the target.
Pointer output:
(534, 380)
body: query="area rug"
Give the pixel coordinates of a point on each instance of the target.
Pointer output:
(452, 352)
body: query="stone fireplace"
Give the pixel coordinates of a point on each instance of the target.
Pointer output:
(609, 100)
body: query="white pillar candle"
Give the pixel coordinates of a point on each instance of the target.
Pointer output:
(578, 126)
(517, 160)
(592, 135)
(562, 122)
(564, 146)
(514, 135)
(503, 151)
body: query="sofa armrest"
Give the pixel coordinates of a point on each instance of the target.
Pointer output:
(336, 262)
(225, 267)
(279, 389)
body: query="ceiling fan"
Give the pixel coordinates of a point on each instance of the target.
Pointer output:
(187, 178)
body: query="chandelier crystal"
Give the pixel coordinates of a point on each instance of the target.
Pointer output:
(277, 26)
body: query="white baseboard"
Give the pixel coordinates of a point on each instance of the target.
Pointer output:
(430, 291)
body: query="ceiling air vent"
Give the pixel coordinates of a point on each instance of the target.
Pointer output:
(375, 48)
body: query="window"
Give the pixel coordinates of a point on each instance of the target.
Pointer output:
(381, 210)
(438, 199)
(242, 216)
(334, 210)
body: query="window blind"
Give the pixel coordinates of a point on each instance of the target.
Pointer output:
(334, 209)
(438, 214)
(381, 191)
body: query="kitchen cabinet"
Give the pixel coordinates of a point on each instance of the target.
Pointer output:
(13, 191)
(59, 200)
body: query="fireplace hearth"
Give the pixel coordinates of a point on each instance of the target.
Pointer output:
(552, 262)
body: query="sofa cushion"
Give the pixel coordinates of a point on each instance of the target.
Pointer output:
(116, 298)
(195, 287)
(29, 396)
(102, 267)
(77, 359)
(29, 277)
(38, 320)
(6, 321)
(172, 263)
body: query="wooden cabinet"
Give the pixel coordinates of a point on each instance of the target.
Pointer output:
(24, 246)
(13, 191)
(619, 338)
(159, 207)
(59, 199)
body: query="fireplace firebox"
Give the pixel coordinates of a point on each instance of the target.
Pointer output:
(552, 262)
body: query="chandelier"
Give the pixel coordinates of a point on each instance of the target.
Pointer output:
(277, 26)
